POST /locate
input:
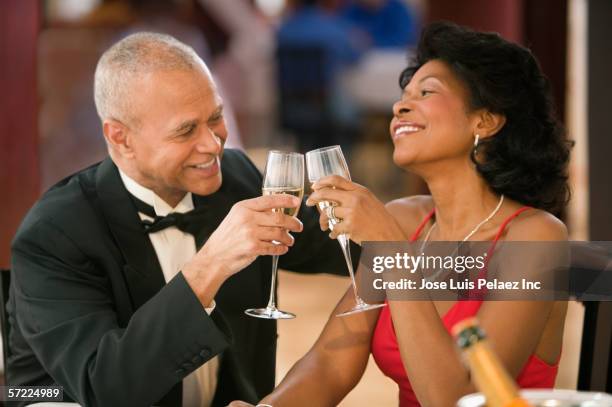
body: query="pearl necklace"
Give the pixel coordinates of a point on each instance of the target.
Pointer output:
(485, 220)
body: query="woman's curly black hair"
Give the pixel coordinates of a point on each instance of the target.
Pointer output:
(527, 159)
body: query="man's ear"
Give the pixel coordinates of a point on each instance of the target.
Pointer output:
(117, 137)
(489, 124)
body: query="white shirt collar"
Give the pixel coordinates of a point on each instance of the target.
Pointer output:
(151, 198)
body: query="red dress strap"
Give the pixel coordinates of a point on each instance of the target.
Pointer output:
(500, 231)
(503, 227)
(418, 231)
(431, 213)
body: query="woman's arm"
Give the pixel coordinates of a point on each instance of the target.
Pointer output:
(334, 365)
(337, 360)
(514, 328)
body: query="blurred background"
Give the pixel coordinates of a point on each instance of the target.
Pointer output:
(297, 75)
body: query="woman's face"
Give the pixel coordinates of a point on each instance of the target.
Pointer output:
(431, 121)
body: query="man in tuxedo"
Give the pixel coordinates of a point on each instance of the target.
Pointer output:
(130, 277)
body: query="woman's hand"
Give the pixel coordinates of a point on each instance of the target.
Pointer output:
(363, 216)
(237, 403)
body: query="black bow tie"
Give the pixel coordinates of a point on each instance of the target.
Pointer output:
(188, 222)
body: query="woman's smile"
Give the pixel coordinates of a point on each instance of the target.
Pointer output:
(402, 129)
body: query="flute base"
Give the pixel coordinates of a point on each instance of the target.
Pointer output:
(269, 313)
(360, 307)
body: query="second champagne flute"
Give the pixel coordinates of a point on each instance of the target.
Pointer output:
(322, 163)
(284, 174)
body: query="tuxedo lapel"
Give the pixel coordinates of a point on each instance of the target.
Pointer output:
(216, 207)
(142, 270)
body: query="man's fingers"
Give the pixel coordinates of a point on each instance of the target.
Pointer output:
(279, 220)
(271, 249)
(269, 202)
(270, 234)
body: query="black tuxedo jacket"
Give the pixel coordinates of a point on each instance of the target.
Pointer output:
(90, 310)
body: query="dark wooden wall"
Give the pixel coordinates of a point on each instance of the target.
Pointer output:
(540, 25)
(596, 372)
(19, 169)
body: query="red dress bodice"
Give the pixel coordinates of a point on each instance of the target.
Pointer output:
(535, 374)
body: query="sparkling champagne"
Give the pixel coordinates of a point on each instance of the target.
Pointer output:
(284, 174)
(488, 373)
(297, 192)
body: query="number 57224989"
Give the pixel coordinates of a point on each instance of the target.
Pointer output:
(31, 393)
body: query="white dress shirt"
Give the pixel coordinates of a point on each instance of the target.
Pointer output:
(174, 248)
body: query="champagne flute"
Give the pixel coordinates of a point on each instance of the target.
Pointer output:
(321, 163)
(284, 174)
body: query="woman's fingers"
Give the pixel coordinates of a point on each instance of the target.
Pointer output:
(334, 181)
(339, 212)
(328, 194)
(238, 403)
(323, 221)
(337, 231)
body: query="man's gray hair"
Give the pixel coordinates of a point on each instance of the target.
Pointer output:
(131, 58)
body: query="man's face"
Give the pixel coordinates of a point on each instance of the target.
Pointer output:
(178, 133)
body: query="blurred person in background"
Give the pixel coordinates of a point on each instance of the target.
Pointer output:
(385, 23)
(298, 28)
(129, 278)
(245, 64)
(476, 121)
(315, 48)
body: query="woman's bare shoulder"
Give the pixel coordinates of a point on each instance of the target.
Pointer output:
(537, 224)
(410, 211)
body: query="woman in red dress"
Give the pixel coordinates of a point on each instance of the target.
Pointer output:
(475, 121)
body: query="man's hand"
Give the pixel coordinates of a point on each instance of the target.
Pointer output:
(250, 229)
